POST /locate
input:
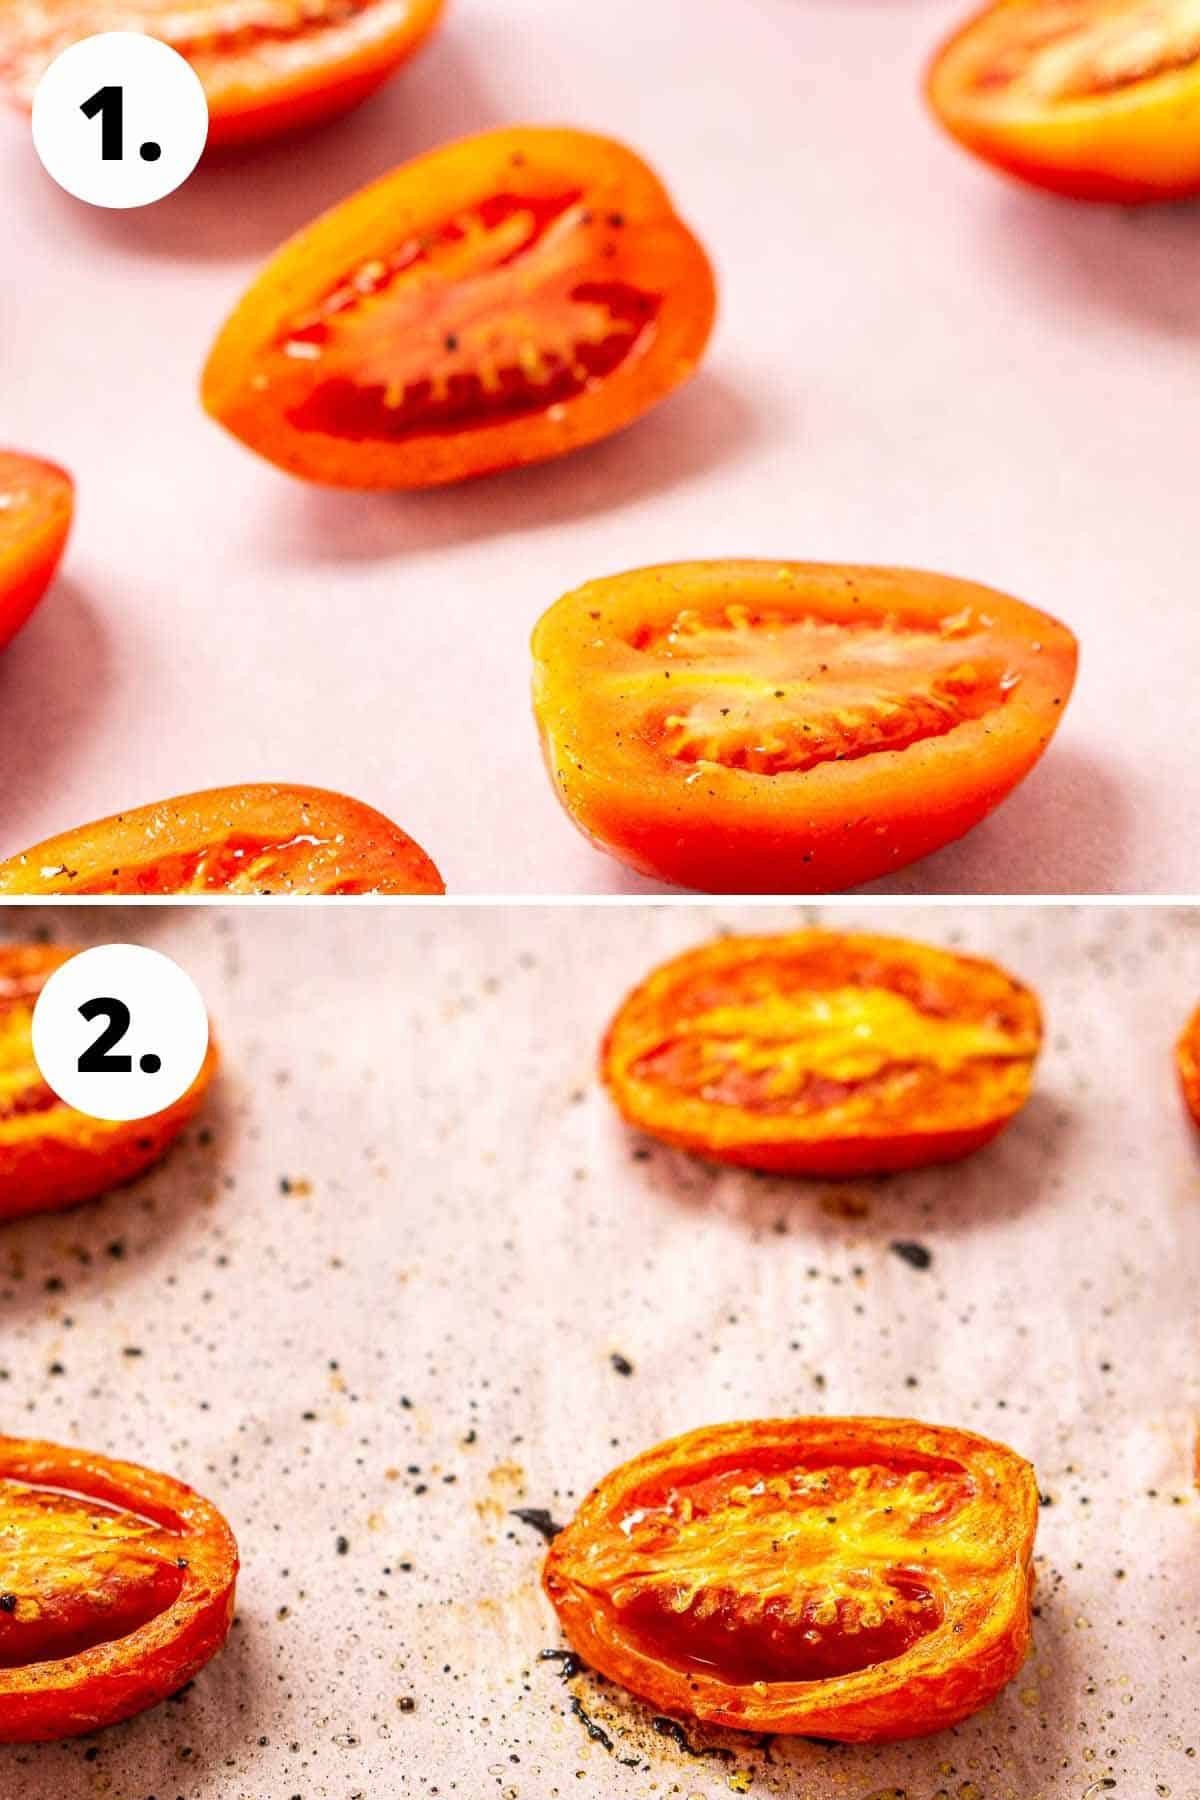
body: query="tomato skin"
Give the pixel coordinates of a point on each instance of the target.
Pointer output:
(261, 839)
(52, 1157)
(702, 1053)
(975, 1639)
(859, 813)
(1128, 144)
(37, 500)
(43, 1701)
(465, 315)
(1187, 1065)
(256, 91)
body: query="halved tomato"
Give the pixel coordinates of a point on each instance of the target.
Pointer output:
(36, 503)
(751, 727)
(1187, 1062)
(116, 1587)
(1097, 99)
(497, 302)
(824, 1053)
(266, 65)
(261, 839)
(50, 1155)
(858, 1579)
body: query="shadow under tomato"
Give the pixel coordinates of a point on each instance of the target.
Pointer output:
(61, 1262)
(1014, 1174)
(53, 680)
(686, 437)
(1063, 831)
(244, 201)
(1140, 262)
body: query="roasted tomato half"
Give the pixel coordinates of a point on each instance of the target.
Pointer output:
(36, 503)
(50, 1155)
(243, 840)
(1098, 99)
(266, 65)
(116, 1587)
(498, 302)
(860, 1579)
(1187, 1061)
(824, 1053)
(748, 727)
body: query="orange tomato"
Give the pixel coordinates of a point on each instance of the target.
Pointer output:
(857, 1579)
(824, 1053)
(36, 503)
(747, 727)
(263, 839)
(266, 67)
(1096, 99)
(50, 1155)
(116, 1587)
(497, 302)
(1187, 1063)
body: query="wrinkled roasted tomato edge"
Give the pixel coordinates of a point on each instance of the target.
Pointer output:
(47, 1701)
(914, 1694)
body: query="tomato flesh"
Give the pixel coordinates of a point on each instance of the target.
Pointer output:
(1187, 1064)
(824, 1053)
(249, 840)
(266, 65)
(1096, 99)
(51, 1156)
(36, 503)
(495, 303)
(750, 727)
(117, 1584)
(854, 1578)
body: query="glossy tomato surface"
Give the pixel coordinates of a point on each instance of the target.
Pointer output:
(36, 503)
(824, 1053)
(50, 1155)
(263, 839)
(497, 302)
(117, 1585)
(266, 67)
(1187, 1063)
(748, 727)
(1096, 99)
(858, 1579)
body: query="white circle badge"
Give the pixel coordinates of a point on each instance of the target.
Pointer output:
(120, 1032)
(120, 119)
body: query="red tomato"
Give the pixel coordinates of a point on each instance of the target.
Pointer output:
(1097, 99)
(498, 302)
(764, 727)
(858, 1579)
(824, 1053)
(1187, 1064)
(50, 1155)
(244, 840)
(266, 66)
(36, 503)
(116, 1587)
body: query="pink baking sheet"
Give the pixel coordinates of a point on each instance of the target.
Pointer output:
(916, 363)
(377, 1294)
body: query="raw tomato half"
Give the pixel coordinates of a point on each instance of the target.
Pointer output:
(1096, 99)
(762, 727)
(857, 1579)
(37, 500)
(266, 65)
(497, 302)
(50, 1155)
(261, 839)
(116, 1587)
(824, 1053)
